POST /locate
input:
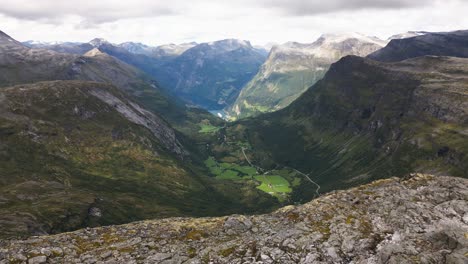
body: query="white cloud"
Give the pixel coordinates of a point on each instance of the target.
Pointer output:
(91, 10)
(307, 7)
(158, 22)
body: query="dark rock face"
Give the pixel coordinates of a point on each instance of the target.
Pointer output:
(417, 219)
(454, 44)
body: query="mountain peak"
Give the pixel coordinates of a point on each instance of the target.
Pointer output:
(340, 37)
(98, 42)
(133, 45)
(4, 35)
(172, 49)
(231, 44)
(6, 39)
(136, 47)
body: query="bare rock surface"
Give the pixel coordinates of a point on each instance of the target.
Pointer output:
(418, 219)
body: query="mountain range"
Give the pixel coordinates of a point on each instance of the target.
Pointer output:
(188, 71)
(212, 74)
(293, 67)
(106, 137)
(71, 140)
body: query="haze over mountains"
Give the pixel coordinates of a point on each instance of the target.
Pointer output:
(212, 74)
(97, 134)
(183, 69)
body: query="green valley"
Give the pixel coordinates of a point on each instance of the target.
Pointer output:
(276, 182)
(106, 145)
(76, 154)
(201, 132)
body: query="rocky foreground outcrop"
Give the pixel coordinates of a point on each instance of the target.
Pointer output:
(418, 219)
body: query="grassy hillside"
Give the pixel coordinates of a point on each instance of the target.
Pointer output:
(21, 65)
(293, 67)
(367, 120)
(264, 95)
(77, 154)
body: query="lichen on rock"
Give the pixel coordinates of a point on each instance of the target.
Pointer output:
(418, 219)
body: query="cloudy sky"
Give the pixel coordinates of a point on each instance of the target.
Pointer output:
(260, 21)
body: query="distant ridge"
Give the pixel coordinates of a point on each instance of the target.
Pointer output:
(453, 44)
(293, 67)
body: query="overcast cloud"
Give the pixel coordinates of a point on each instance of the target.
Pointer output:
(307, 7)
(261, 21)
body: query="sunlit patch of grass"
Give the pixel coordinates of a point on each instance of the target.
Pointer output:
(208, 129)
(273, 184)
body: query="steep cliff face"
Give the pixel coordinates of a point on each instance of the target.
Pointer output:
(417, 219)
(293, 67)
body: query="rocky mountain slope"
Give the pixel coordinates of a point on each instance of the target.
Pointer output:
(147, 64)
(438, 44)
(293, 67)
(171, 50)
(137, 48)
(20, 64)
(79, 48)
(208, 74)
(96, 165)
(365, 119)
(141, 56)
(211, 74)
(78, 153)
(419, 219)
(63, 47)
